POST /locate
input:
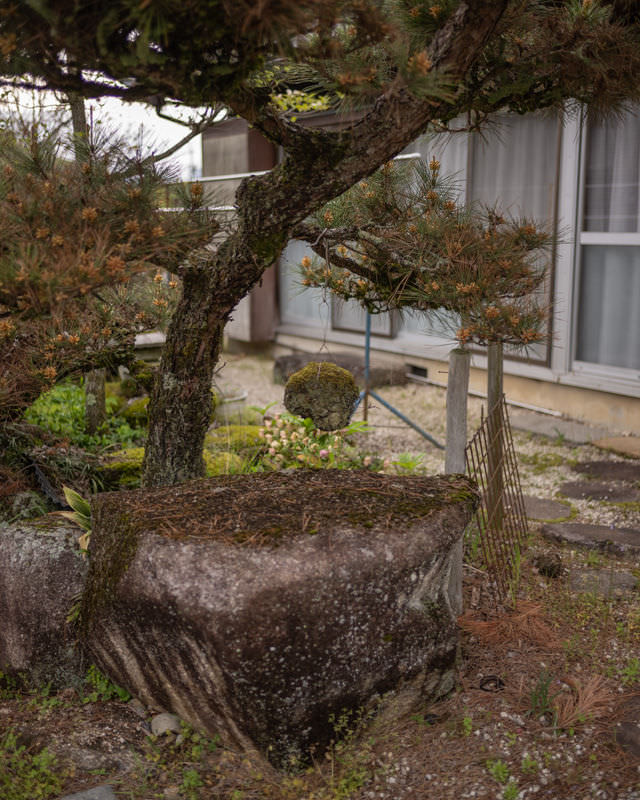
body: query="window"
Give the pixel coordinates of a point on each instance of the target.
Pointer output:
(608, 309)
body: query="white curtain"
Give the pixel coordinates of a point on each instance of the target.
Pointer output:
(609, 306)
(514, 164)
(300, 305)
(608, 331)
(612, 185)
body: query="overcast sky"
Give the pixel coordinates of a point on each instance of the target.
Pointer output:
(126, 119)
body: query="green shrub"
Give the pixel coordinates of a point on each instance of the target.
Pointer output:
(223, 463)
(123, 470)
(61, 411)
(25, 775)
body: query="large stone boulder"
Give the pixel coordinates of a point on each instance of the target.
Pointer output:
(41, 576)
(258, 606)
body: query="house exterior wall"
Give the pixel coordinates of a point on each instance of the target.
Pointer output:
(583, 177)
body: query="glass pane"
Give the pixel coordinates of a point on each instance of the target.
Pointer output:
(442, 323)
(449, 148)
(514, 165)
(612, 180)
(350, 316)
(298, 304)
(609, 306)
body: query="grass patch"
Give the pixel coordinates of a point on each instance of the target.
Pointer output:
(61, 411)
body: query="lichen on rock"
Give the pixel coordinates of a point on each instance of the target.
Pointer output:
(323, 392)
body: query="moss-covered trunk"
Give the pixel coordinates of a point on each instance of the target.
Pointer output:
(180, 405)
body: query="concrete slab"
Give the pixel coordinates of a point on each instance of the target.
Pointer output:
(627, 471)
(595, 490)
(604, 582)
(538, 509)
(555, 427)
(624, 445)
(620, 541)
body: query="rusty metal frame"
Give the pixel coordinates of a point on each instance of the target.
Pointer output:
(501, 517)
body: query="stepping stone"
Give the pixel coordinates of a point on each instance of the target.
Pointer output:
(104, 792)
(620, 541)
(539, 509)
(627, 731)
(604, 582)
(628, 471)
(625, 445)
(593, 490)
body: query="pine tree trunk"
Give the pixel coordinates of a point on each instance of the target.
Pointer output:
(95, 408)
(180, 406)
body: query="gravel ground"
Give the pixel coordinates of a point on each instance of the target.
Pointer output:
(567, 665)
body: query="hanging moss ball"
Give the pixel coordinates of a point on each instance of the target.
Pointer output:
(323, 391)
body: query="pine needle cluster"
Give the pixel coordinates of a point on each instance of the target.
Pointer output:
(78, 243)
(401, 240)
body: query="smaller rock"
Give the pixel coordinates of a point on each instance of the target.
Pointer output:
(549, 565)
(627, 735)
(621, 541)
(172, 793)
(103, 792)
(165, 723)
(627, 470)
(595, 490)
(138, 707)
(604, 582)
(382, 372)
(540, 509)
(324, 392)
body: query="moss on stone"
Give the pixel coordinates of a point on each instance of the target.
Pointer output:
(324, 392)
(143, 374)
(123, 469)
(135, 412)
(222, 463)
(236, 438)
(128, 388)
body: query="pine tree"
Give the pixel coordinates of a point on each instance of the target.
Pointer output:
(399, 240)
(73, 237)
(400, 65)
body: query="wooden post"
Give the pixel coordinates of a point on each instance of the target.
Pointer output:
(495, 508)
(457, 391)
